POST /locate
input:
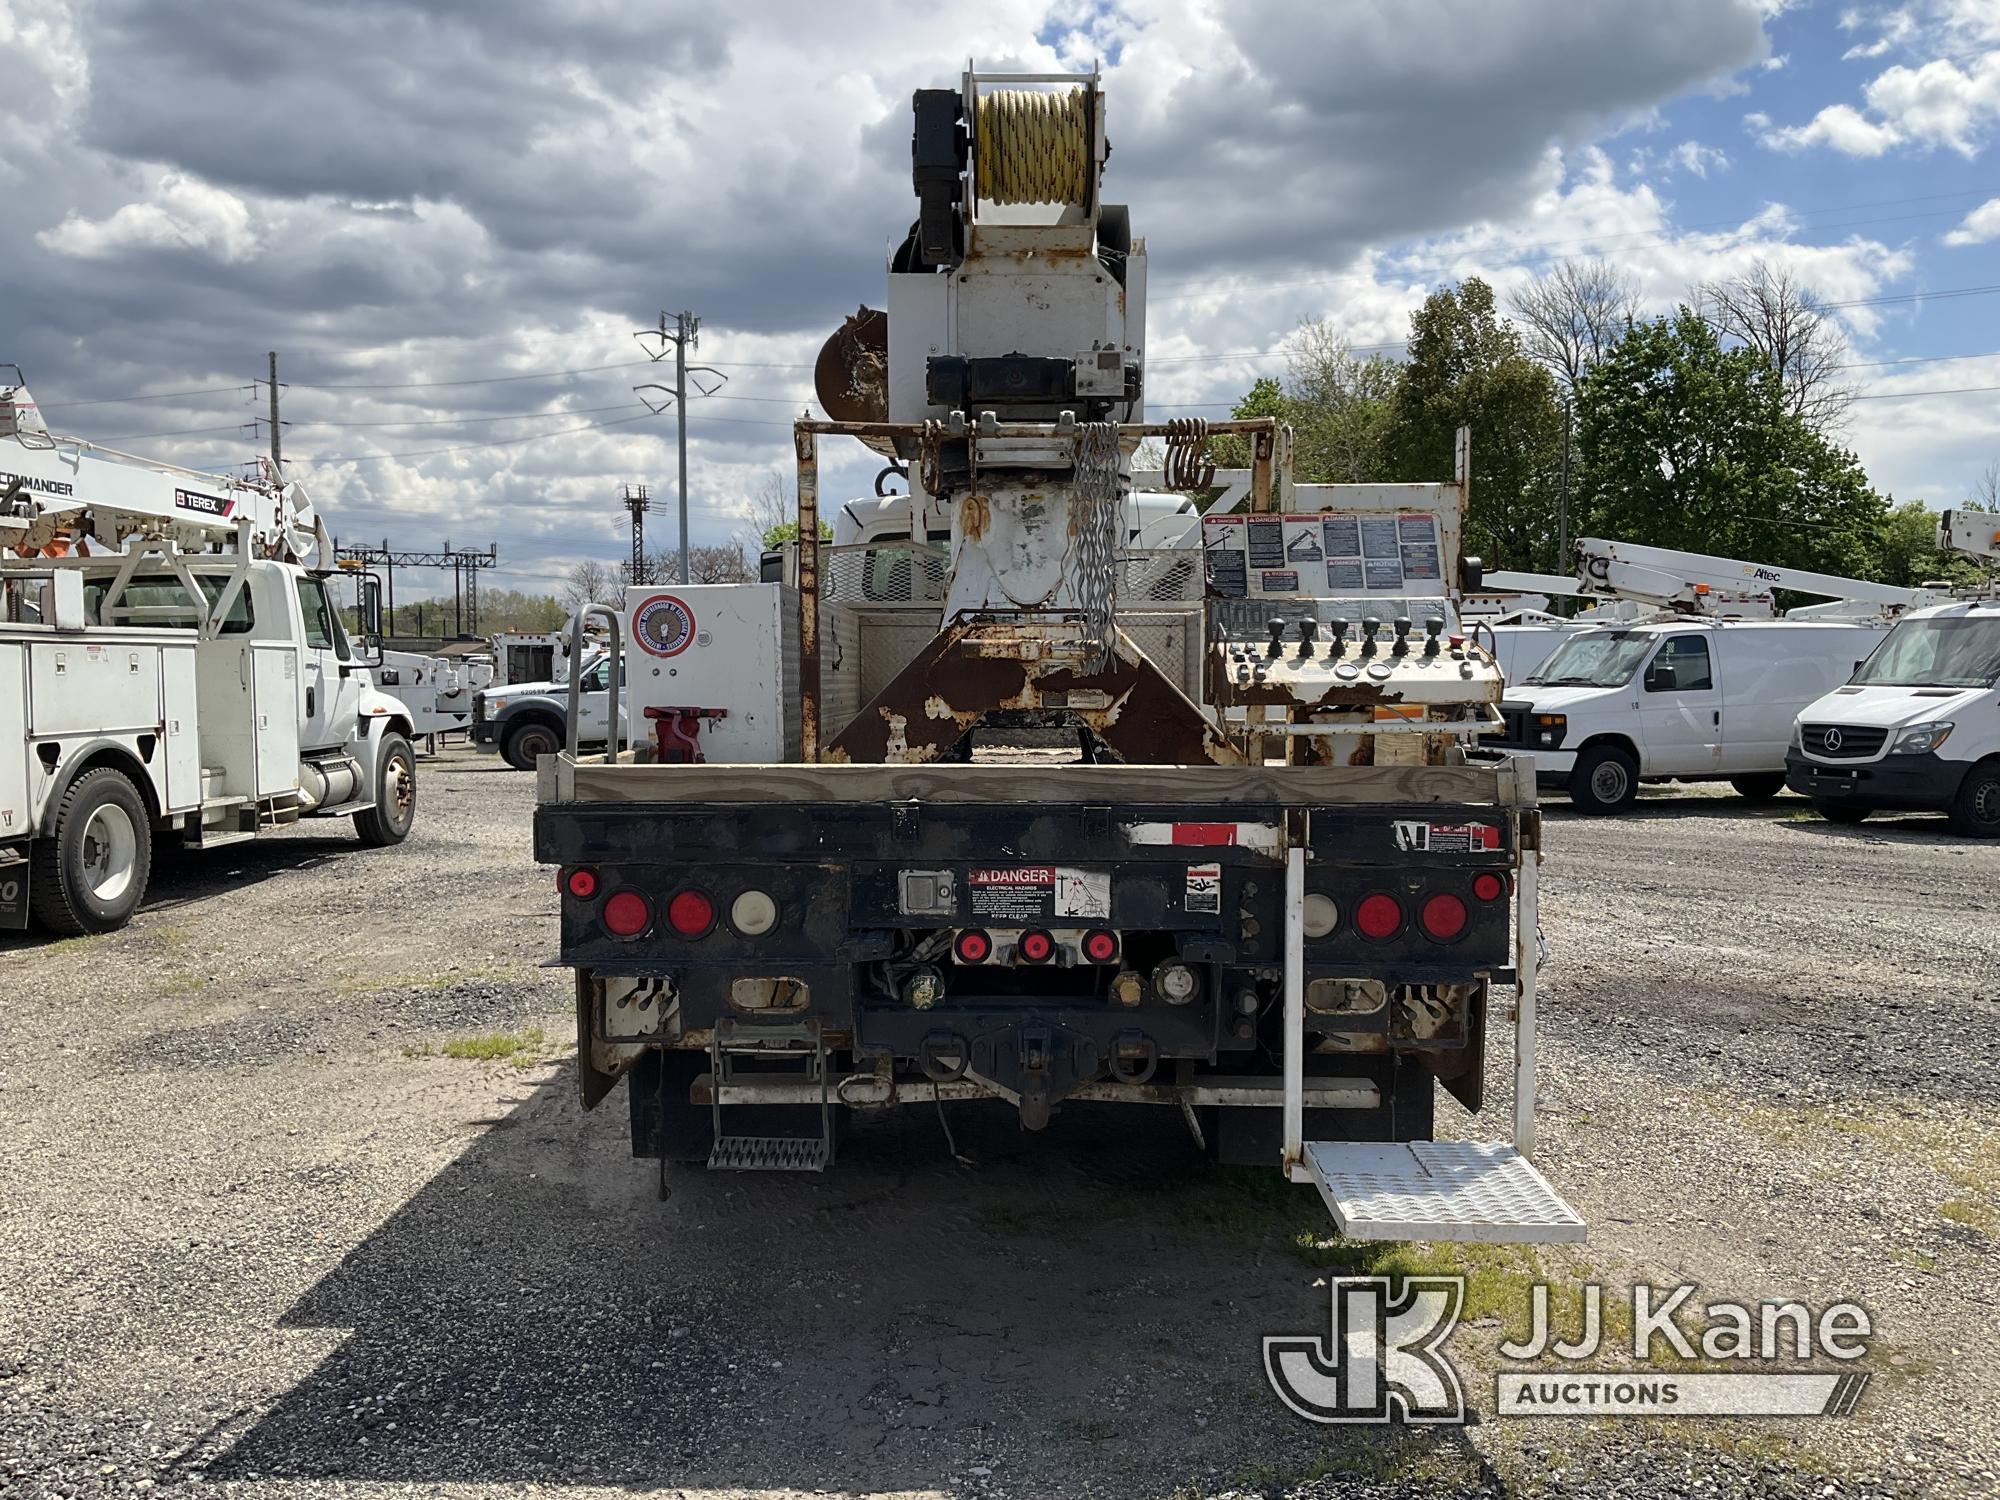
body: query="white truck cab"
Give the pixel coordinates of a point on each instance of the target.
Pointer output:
(1917, 727)
(524, 721)
(1675, 700)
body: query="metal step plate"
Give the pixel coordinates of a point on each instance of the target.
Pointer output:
(768, 1153)
(1439, 1190)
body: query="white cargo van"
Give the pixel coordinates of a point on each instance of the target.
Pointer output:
(1916, 729)
(1675, 700)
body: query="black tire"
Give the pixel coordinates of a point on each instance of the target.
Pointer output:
(1604, 781)
(90, 874)
(1841, 812)
(1975, 811)
(1762, 787)
(388, 821)
(528, 742)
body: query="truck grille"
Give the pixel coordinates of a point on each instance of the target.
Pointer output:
(1519, 717)
(1842, 741)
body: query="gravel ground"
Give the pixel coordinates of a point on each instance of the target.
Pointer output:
(261, 1233)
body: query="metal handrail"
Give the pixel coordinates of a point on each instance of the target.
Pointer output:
(614, 726)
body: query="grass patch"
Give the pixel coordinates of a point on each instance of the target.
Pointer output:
(185, 984)
(494, 1046)
(1970, 1213)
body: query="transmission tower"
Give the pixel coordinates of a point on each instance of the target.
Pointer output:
(465, 565)
(637, 503)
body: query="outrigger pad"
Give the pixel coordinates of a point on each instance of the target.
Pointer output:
(972, 669)
(1484, 1191)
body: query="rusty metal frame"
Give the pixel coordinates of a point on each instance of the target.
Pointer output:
(806, 432)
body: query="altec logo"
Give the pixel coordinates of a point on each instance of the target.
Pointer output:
(1383, 1358)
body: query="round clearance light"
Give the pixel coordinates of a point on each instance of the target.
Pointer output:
(1322, 916)
(627, 913)
(1100, 946)
(691, 914)
(1378, 916)
(753, 914)
(1488, 887)
(973, 946)
(1443, 917)
(1176, 983)
(1036, 947)
(581, 884)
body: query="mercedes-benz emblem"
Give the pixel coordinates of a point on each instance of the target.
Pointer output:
(1831, 739)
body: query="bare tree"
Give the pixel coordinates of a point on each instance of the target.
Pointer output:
(772, 505)
(1986, 489)
(1767, 309)
(1341, 404)
(1571, 316)
(723, 563)
(589, 582)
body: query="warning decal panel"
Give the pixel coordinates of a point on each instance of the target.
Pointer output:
(1028, 893)
(1447, 838)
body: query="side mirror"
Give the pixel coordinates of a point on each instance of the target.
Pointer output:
(371, 618)
(1659, 678)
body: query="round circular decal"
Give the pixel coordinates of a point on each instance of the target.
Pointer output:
(663, 625)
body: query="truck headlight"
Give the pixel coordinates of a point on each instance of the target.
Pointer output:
(1919, 739)
(1549, 729)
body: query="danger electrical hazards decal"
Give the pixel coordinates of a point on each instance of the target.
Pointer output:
(1446, 838)
(1024, 893)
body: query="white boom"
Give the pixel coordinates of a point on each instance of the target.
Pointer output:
(1972, 533)
(59, 494)
(1677, 580)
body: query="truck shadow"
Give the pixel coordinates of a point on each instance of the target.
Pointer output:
(1089, 1302)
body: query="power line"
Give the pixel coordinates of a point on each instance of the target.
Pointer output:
(213, 390)
(1962, 390)
(369, 458)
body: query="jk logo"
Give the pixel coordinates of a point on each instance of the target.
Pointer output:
(1383, 1359)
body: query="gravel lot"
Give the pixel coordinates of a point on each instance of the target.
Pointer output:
(260, 1233)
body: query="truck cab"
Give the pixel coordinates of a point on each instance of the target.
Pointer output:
(523, 721)
(1915, 729)
(1674, 700)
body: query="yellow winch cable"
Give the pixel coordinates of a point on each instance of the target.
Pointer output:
(1034, 146)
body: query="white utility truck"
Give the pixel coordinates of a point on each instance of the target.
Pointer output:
(995, 811)
(169, 665)
(1917, 727)
(436, 690)
(1704, 688)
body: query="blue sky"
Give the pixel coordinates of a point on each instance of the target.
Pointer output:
(451, 236)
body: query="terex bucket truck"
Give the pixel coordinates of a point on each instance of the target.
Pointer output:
(169, 665)
(1002, 811)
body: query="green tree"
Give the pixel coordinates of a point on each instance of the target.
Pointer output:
(1910, 553)
(1687, 444)
(781, 532)
(1467, 369)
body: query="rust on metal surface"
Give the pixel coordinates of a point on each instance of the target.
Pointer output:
(807, 446)
(973, 669)
(851, 375)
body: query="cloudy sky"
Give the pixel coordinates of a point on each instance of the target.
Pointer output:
(449, 218)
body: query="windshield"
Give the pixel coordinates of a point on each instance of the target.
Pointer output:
(1599, 659)
(1948, 651)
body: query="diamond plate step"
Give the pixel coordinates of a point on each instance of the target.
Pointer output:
(768, 1153)
(1484, 1191)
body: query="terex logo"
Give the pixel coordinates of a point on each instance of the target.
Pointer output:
(1384, 1355)
(208, 505)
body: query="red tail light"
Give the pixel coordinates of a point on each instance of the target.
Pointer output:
(1378, 916)
(1100, 946)
(691, 914)
(1443, 917)
(627, 913)
(1036, 947)
(1488, 887)
(581, 884)
(973, 946)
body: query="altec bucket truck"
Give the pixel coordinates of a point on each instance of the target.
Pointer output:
(1271, 884)
(169, 665)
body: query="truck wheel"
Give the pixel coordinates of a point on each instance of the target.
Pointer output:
(388, 821)
(1975, 811)
(527, 743)
(1605, 780)
(91, 873)
(1759, 788)
(1841, 812)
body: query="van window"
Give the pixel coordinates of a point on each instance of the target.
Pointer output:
(1681, 667)
(159, 599)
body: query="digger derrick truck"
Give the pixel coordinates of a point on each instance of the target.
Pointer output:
(170, 666)
(1002, 810)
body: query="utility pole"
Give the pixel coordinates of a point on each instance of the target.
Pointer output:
(1562, 500)
(636, 502)
(685, 334)
(277, 448)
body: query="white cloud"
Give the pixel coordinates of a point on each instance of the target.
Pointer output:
(179, 213)
(1981, 225)
(1777, 61)
(1696, 159)
(1840, 126)
(1948, 97)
